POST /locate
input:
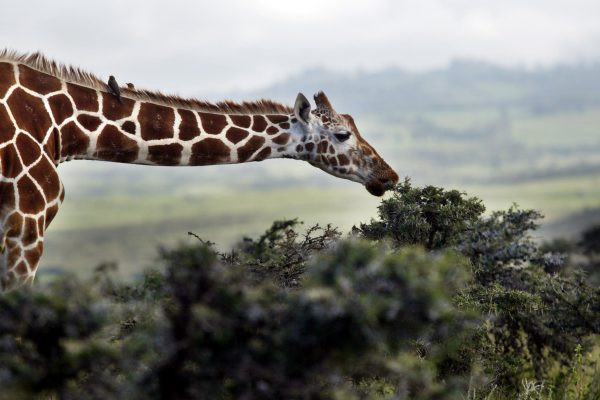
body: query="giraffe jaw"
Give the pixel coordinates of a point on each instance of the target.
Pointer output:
(375, 188)
(381, 181)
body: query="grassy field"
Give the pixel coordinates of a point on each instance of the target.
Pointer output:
(556, 198)
(128, 229)
(565, 129)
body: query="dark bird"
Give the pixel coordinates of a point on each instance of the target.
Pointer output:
(114, 88)
(130, 86)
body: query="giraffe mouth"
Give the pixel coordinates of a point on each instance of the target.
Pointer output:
(376, 188)
(384, 182)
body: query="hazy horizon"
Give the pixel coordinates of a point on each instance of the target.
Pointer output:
(204, 47)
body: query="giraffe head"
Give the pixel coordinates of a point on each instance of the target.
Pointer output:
(332, 143)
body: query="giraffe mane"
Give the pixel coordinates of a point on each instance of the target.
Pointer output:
(78, 76)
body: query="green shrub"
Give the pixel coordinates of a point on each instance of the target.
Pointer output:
(430, 217)
(432, 300)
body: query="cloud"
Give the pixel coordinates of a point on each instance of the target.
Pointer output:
(203, 47)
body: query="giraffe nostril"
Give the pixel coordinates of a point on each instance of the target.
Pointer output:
(389, 178)
(387, 182)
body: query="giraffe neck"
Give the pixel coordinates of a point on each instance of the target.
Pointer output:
(141, 132)
(50, 113)
(45, 119)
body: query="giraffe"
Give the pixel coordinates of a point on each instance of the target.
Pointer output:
(51, 113)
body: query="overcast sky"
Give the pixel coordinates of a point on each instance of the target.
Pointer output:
(206, 47)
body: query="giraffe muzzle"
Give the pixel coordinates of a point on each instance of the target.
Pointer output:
(383, 181)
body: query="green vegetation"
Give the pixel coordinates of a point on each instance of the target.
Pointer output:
(432, 299)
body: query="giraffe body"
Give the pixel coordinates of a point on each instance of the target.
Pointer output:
(50, 114)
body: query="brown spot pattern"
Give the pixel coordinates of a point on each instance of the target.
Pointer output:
(7, 194)
(7, 78)
(52, 144)
(73, 141)
(322, 147)
(7, 129)
(44, 173)
(212, 123)
(188, 128)
(38, 81)
(276, 119)
(89, 122)
(236, 135)
(29, 149)
(243, 121)
(264, 153)
(113, 145)
(167, 154)
(11, 164)
(246, 151)
(30, 233)
(61, 107)
(309, 146)
(15, 224)
(343, 160)
(32, 256)
(208, 152)
(259, 123)
(31, 200)
(21, 269)
(113, 110)
(40, 224)
(272, 130)
(85, 99)
(284, 125)
(129, 127)
(30, 113)
(156, 122)
(281, 139)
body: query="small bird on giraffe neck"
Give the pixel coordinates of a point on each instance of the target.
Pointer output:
(114, 88)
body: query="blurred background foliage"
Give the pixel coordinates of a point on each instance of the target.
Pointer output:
(431, 299)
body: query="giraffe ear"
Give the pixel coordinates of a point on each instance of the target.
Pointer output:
(302, 108)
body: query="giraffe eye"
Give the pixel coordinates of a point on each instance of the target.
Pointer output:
(342, 136)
